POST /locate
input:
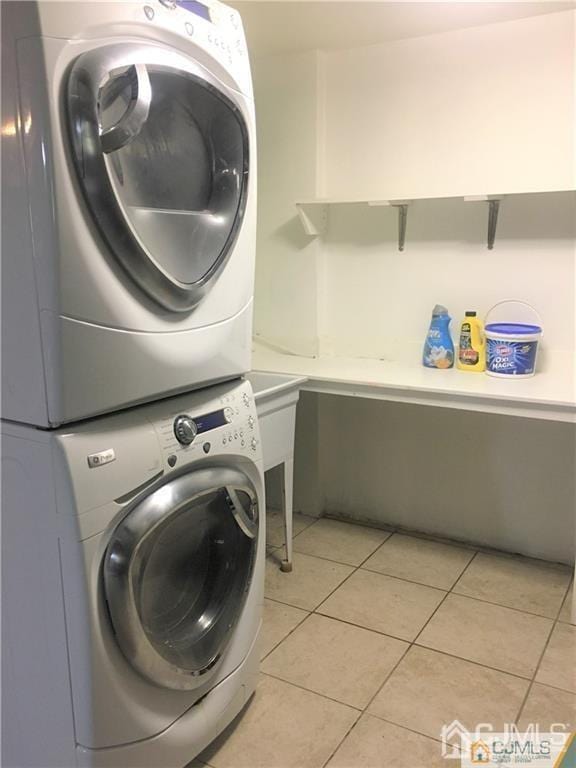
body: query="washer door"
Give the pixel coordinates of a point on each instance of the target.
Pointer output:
(177, 571)
(161, 151)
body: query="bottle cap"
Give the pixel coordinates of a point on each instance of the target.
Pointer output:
(470, 314)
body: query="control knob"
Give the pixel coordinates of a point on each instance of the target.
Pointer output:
(185, 429)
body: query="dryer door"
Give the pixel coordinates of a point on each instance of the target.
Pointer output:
(161, 149)
(177, 571)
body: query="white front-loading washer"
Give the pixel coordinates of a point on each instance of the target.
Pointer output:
(132, 580)
(129, 193)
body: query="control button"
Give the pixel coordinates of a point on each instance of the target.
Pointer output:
(189, 28)
(228, 414)
(185, 429)
(224, 441)
(235, 435)
(172, 459)
(253, 444)
(241, 433)
(149, 11)
(243, 443)
(206, 447)
(251, 422)
(170, 4)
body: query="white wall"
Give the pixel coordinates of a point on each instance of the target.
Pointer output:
(286, 273)
(470, 111)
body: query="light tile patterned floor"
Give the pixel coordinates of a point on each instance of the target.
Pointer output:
(378, 638)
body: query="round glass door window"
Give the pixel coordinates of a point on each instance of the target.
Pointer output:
(162, 156)
(176, 575)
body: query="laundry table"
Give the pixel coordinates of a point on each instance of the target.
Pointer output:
(276, 396)
(550, 395)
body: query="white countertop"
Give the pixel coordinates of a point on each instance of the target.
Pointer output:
(550, 394)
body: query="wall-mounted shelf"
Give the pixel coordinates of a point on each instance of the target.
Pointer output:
(548, 396)
(314, 213)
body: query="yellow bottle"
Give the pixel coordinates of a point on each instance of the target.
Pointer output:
(472, 347)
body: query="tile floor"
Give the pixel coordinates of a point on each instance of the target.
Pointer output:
(377, 639)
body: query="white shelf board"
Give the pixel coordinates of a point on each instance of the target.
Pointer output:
(550, 395)
(313, 212)
(394, 200)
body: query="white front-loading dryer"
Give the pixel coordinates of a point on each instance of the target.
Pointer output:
(132, 582)
(129, 193)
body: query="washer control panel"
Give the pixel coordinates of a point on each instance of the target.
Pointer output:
(192, 426)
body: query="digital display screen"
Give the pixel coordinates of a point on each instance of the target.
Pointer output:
(210, 421)
(195, 7)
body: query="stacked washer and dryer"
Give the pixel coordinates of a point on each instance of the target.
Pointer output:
(133, 496)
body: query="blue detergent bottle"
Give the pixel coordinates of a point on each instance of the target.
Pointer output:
(439, 347)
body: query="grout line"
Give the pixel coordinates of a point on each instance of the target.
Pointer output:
(352, 565)
(327, 559)
(410, 581)
(361, 626)
(405, 728)
(315, 693)
(565, 602)
(437, 539)
(555, 623)
(388, 676)
(308, 613)
(515, 675)
(315, 520)
(449, 592)
(290, 605)
(499, 605)
(342, 740)
(389, 722)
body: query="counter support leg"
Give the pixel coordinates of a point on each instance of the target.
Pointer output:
(287, 501)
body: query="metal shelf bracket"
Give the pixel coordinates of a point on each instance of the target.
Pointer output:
(402, 206)
(493, 211)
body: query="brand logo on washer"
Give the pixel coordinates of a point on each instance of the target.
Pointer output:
(100, 458)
